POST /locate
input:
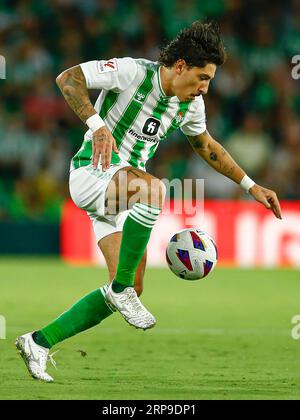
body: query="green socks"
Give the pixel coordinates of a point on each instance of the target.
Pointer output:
(85, 314)
(93, 308)
(136, 234)
(118, 287)
(39, 339)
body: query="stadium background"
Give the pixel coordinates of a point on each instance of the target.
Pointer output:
(237, 324)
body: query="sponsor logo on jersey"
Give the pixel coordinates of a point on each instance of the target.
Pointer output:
(151, 126)
(179, 117)
(140, 137)
(107, 66)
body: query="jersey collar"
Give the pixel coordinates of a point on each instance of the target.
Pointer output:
(162, 93)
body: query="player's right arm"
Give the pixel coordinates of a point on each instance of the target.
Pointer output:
(73, 86)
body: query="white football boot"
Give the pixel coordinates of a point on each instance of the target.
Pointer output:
(131, 308)
(35, 357)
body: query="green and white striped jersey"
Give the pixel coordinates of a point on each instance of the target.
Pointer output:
(136, 110)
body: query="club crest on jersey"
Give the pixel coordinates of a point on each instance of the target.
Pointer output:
(107, 66)
(179, 117)
(139, 97)
(151, 127)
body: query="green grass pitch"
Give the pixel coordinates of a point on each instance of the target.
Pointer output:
(225, 337)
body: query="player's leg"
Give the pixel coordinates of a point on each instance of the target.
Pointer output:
(86, 313)
(91, 309)
(88, 187)
(110, 248)
(145, 208)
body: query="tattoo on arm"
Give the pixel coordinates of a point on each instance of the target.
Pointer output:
(213, 156)
(223, 162)
(230, 171)
(73, 86)
(197, 144)
(216, 156)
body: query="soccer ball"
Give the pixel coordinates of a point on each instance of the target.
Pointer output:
(191, 254)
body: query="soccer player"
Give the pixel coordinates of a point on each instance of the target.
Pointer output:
(140, 104)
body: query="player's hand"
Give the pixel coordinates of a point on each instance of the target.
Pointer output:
(103, 143)
(268, 198)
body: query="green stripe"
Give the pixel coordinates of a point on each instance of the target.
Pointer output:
(148, 64)
(107, 105)
(160, 108)
(152, 150)
(109, 101)
(183, 107)
(133, 108)
(136, 152)
(139, 146)
(83, 156)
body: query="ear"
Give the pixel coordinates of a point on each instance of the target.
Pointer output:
(180, 65)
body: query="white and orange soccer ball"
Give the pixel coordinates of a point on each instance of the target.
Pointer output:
(191, 254)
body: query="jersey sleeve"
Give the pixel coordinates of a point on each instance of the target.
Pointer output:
(115, 74)
(197, 124)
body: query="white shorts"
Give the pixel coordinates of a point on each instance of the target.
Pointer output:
(87, 188)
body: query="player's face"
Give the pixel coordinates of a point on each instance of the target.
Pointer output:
(190, 82)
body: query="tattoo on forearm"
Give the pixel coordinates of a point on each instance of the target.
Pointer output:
(213, 156)
(225, 167)
(198, 144)
(230, 171)
(73, 87)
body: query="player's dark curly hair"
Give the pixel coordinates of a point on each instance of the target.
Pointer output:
(198, 45)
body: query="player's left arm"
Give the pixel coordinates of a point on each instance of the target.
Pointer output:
(219, 159)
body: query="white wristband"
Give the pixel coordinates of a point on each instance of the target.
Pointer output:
(247, 183)
(95, 122)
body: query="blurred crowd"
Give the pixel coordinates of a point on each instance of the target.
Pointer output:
(253, 105)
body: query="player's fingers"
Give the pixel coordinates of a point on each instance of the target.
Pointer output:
(265, 202)
(275, 205)
(93, 148)
(115, 149)
(94, 157)
(108, 155)
(276, 212)
(97, 151)
(103, 161)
